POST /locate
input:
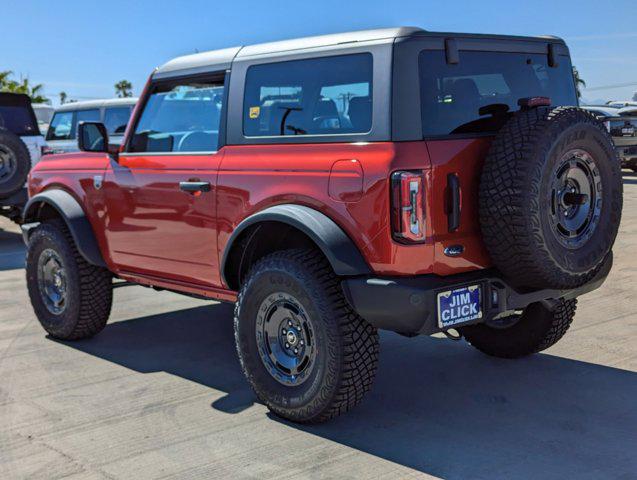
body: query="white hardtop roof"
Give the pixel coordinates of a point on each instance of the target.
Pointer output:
(85, 105)
(225, 56)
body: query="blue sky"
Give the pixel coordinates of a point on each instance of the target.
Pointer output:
(84, 47)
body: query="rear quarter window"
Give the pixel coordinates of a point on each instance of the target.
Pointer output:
(18, 120)
(318, 96)
(478, 94)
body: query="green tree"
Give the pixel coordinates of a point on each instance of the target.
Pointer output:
(579, 82)
(23, 86)
(123, 88)
(4, 78)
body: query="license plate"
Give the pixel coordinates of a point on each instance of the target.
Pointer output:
(628, 131)
(461, 305)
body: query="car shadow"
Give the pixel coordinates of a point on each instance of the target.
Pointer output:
(12, 251)
(438, 406)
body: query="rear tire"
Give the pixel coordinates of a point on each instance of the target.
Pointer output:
(536, 329)
(296, 293)
(15, 163)
(71, 298)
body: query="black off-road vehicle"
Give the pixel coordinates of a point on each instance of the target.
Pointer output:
(21, 146)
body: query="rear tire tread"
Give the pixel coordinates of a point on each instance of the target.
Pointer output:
(359, 338)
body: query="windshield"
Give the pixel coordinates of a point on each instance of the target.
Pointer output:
(478, 94)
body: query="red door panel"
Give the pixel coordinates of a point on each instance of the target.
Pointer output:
(154, 228)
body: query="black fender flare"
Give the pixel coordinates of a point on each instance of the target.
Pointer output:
(340, 251)
(74, 217)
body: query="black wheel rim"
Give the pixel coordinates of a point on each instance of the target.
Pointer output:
(8, 163)
(52, 282)
(576, 198)
(285, 339)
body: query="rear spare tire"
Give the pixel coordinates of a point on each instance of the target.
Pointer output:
(550, 197)
(15, 163)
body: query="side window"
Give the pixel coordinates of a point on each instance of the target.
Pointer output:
(116, 119)
(61, 127)
(180, 117)
(88, 116)
(319, 96)
(85, 116)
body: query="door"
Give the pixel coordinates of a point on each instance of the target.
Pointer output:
(159, 195)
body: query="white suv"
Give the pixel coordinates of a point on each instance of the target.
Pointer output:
(113, 113)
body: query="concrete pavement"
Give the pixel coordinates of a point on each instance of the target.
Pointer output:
(159, 394)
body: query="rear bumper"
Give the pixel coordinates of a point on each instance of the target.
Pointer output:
(409, 305)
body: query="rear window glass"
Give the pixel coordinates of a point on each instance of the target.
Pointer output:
(320, 96)
(478, 94)
(18, 120)
(116, 119)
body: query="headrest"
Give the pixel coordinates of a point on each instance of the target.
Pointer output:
(360, 113)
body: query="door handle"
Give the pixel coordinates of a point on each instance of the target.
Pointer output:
(193, 187)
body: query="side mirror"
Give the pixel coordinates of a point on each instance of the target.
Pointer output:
(92, 137)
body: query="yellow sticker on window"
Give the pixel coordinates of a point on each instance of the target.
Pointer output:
(254, 112)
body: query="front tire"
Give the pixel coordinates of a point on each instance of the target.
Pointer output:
(71, 298)
(517, 335)
(308, 356)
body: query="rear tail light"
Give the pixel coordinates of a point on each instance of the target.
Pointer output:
(408, 206)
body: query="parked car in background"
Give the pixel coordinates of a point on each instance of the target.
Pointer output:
(621, 103)
(603, 112)
(622, 125)
(113, 113)
(43, 114)
(21, 146)
(625, 136)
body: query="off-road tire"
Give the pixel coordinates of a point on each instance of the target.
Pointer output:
(515, 197)
(347, 345)
(14, 181)
(89, 288)
(537, 328)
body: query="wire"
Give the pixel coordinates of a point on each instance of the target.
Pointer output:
(608, 87)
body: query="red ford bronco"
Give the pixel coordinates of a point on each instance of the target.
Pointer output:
(331, 186)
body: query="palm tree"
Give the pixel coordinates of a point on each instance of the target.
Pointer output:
(579, 82)
(123, 89)
(23, 86)
(4, 76)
